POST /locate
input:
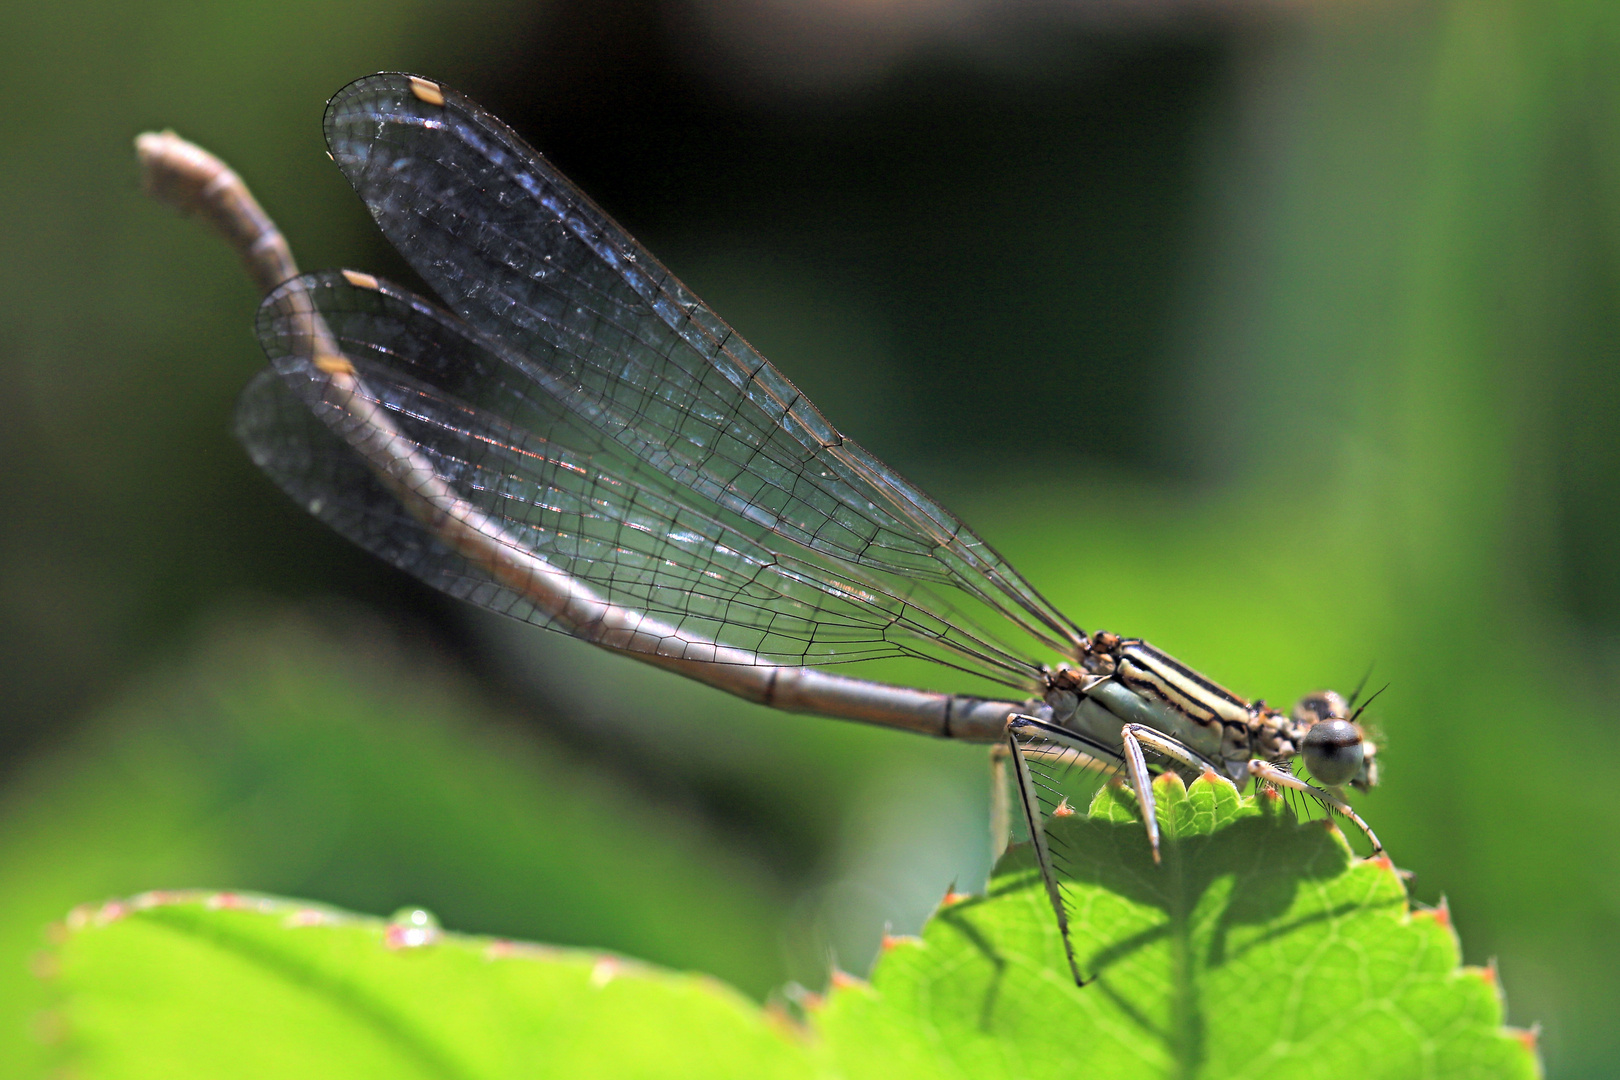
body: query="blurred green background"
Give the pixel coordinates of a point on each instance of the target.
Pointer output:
(1282, 335)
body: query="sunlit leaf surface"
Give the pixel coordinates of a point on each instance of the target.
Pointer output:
(205, 985)
(1260, 948)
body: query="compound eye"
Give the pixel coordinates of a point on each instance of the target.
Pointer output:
(1333, 752)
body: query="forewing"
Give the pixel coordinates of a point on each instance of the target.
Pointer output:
(527, 259)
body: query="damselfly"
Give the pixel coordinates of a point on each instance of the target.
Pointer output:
(584, 445)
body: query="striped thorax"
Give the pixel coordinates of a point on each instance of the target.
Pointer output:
(1127, 681)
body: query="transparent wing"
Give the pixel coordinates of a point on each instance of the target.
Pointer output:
(523, 256)
(323, 474)
(551, 489)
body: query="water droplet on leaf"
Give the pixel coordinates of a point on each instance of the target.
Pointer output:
(411, 928)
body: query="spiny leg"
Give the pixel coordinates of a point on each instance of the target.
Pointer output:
(1136, 736)
(1136, 766)
(1031, 806)
(1266, 771)
(1066, 747)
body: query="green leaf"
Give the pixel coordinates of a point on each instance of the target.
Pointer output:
(191, 984)
(1260, 948)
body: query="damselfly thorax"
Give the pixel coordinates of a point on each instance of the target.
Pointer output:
(581, 443)
(1126, 681)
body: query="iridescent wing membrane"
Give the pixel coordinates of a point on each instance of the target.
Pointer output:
(606, 421)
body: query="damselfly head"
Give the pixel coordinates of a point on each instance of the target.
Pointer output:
(1335, 749)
